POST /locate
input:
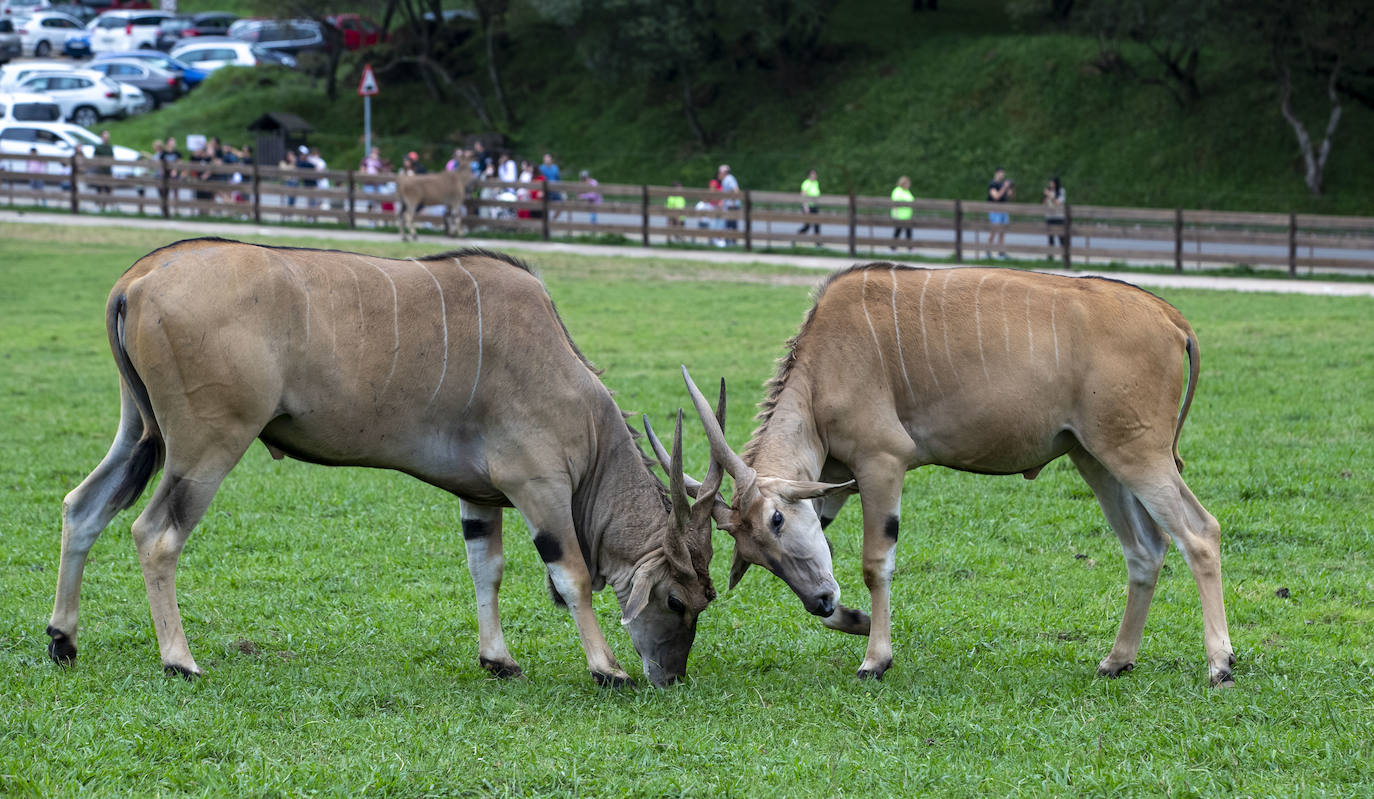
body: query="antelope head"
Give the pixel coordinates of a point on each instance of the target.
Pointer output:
(772, 519)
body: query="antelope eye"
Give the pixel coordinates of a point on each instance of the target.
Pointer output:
(675, 605)
(777, 520)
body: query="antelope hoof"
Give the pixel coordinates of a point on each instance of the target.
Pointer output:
(502, 669)
(874, 672)
(1222, 677)
(177, 670)
(613, 679)
(60, 648)
(1109, 669)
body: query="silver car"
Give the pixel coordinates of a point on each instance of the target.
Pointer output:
(11, 46)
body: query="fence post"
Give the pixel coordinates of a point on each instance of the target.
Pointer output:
(544, 205)
(352, 204)
(1067, 239)
(853, 224)
(644, 215)
(76, 202)
(1293, 245)
(1178, 240)
(257, 195)
(958, 231)
(165, 188)
(748, 222)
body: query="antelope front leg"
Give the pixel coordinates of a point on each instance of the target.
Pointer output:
(556, 541)
(486, 562)
(881, 496)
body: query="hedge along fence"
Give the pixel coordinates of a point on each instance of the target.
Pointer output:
(674, 215)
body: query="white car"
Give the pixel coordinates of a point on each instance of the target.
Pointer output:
(11, 74)
(18, 139)
(209, 53)
(44, 33)
(25, 107)
(86, 96)
(16, 8)
(122, 29)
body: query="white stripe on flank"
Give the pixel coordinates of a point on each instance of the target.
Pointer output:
(925, 339)
(978, 323)
(1006, 319)
(1053, 329)
(863, 301)
(443, 315)
(900, 357)
(478, 293)
(395, 325)
(1030, 334)
(944, 323)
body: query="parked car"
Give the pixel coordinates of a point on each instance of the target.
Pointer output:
(79, 11)
(212, 52)
(78, 46)
(208, 23)
(28, 107)
(160, 85)
(358, 31)
(19, 8)
(11, 74)
(101, 6)
(86, 97)
(60, 139)
(133, 100)
(46, 32)
(126, 30)
(289, 36)
(188, 73)
(11, 46)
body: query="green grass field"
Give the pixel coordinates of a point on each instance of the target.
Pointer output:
(333, 613)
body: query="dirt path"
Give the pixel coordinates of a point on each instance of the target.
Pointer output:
(826, 263)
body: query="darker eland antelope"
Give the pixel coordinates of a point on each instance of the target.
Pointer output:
(448, 188)
(453, 368)
(994, 371)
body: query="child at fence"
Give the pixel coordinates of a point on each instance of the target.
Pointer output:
(1055, 198)
(675, 203)
(37, 167)
(901, 214)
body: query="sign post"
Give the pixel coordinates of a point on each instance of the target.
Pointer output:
(367, 87)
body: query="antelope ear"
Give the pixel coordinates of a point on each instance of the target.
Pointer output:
(797, 490)
(737, 570)
(639, 596)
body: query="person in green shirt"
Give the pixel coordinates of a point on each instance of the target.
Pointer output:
(674, 203)
(810, 190)
(901, 214)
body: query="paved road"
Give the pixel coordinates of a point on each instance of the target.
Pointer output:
(196, 227)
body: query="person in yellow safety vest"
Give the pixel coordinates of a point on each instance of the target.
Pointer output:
(675, 202)
(901, 214)
(811, 189)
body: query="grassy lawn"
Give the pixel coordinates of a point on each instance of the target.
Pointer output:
(332, 610)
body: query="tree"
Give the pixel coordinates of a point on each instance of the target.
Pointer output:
(1312, 46)
(1173, 31)
(492, 14)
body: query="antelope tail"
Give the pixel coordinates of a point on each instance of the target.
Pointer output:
(146, 457)
(1194, 364)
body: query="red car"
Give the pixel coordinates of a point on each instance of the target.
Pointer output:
(358, 31)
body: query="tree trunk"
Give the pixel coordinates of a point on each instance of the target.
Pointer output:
(1314, 161)
(689, 110)
(494, 72)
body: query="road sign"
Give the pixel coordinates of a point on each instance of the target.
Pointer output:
(367, 87)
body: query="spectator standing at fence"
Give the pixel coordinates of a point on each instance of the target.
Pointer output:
(551, 174)
(730, 186)
(37, 167)
(171, 155)
(103, 150)
(1000, 190)
(591, 195)
(458, 159)
(675, 204)
(901, 214)
(288, 165)
(506, 169)
(478, 159)
(810, 190)
(411, 165)
(1055, 197)
(371, 164)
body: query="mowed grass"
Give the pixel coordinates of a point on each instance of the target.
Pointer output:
(333, 613)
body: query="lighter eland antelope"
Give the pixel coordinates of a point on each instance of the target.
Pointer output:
(995, 371)
(453, 368)
(448, 189)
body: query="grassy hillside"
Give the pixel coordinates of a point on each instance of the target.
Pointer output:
(942, 97)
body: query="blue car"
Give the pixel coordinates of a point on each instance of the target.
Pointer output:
(188, 73)
(78, 46)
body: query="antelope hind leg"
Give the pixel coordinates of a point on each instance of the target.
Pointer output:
(486, 562)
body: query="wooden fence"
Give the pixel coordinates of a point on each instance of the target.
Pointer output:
(661, 215)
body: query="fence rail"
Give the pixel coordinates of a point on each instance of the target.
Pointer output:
(673, 215)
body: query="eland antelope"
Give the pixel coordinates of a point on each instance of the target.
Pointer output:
(448, 188)
(994, 371)
(452, 368)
